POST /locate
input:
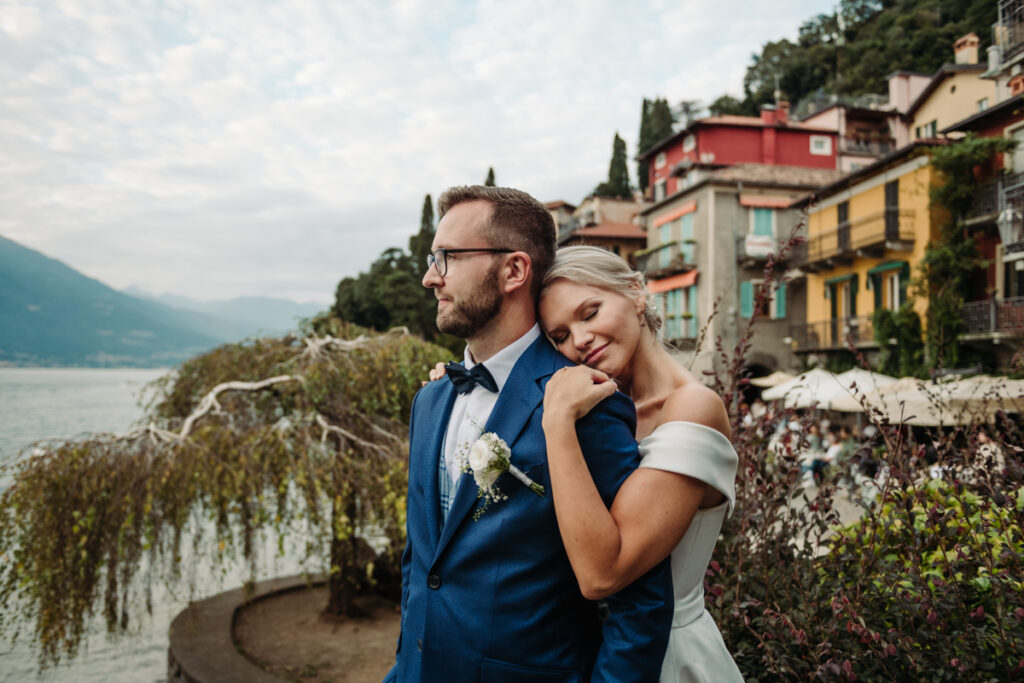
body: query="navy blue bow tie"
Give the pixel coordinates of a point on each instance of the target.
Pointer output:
(464, 380)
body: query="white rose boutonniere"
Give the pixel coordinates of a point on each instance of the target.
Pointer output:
(488, 457)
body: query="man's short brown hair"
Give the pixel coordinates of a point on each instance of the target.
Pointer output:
(518, 221)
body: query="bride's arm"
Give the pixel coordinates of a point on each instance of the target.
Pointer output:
(651, 511)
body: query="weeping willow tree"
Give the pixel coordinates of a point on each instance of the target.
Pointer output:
(251, 439)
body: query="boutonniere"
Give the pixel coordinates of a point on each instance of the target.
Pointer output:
(488, 457)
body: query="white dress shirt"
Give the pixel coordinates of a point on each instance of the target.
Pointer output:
(471, 410)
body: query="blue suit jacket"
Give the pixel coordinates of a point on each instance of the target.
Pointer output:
(495, 599)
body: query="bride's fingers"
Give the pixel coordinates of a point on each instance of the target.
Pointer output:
(437, 372)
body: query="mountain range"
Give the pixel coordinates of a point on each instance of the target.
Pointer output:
(53, 315)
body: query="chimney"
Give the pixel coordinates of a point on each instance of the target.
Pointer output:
(782, 113)
(966, 49)
(768, 113)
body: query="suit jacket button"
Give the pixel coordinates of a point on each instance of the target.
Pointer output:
(434, 581)
(419, 644)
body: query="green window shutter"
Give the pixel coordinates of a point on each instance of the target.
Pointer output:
(763, 222)
(747, 299)
(780, 301)
(687, 250)
(665, 233)
(853, 296)
(875, 285)
(904, 281)
(686, 227)
(692, 307)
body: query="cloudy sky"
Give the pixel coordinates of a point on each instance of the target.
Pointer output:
(218, 148)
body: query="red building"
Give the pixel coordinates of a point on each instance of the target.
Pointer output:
(772, 139)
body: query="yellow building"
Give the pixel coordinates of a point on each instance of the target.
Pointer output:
(955, 92)
(865, 235)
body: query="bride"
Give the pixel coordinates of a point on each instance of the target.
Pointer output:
(594, 309)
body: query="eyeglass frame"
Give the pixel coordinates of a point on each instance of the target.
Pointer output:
(432, 259)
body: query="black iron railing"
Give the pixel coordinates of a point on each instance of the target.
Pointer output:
(835, 333)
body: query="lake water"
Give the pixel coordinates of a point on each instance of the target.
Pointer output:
(45, 403)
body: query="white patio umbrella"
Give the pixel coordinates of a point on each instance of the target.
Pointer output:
(917, 402)
(853, 384)
(772, 380)
(804, 391)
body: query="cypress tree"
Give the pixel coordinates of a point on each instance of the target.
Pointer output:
(490, 177)
(617, 185)
(643, 142)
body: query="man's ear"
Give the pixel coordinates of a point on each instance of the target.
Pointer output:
(516, 272)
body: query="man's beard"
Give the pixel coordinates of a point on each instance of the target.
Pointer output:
(465, 318)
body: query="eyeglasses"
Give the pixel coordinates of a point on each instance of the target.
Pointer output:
(439, 257)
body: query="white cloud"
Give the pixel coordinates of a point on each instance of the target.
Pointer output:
(229, 148)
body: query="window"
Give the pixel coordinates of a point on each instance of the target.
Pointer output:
(821, 145)
(773, 305)
(983, 104)
(689, 143)
(664, 257)
(659, 190)
(891, 290)
(679, 307)
(686, 237)
(665, 233)
(763, 221)
(927, 130)
(659, 161)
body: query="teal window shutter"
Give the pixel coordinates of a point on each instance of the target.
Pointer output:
(747, 299)
(763, 222)
(665, 232)
(687, 250)
(780, 301)
(692, 308)
(686, 227)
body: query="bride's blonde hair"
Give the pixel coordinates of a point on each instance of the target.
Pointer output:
(597, 267)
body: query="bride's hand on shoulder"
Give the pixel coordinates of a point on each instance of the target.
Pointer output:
(572, 392)
(437, 372)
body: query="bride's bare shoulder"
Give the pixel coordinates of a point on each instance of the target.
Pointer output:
(694, 402)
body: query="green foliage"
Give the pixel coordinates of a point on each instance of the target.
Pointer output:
(900, 341)
(391, 294)
(926, 586)
(617, 185)
(87, 526)
(952, 260)
(656, 123)
(727, 104)
(854, 56)
(489, 181)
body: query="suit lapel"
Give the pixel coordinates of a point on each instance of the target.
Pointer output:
(518, 399)
(433, 441)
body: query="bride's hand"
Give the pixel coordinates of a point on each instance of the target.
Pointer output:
(436, 373)
(574, 391)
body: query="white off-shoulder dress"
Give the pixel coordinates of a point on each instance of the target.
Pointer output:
(696, 651)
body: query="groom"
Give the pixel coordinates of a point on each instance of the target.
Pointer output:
(487, 592)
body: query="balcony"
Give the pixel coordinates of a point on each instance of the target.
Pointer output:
(994, 318)
(871, 235)
(834, 334)
(867, 147)
(1009, 33)
(666, 259)
(754, 248)
(988, 202)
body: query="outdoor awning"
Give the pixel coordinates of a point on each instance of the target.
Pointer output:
(840, 278)
(888, 265)
(764, 202)
(688, 207)
(674, 282)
